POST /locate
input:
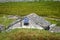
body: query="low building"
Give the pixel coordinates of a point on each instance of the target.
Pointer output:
(30, 21)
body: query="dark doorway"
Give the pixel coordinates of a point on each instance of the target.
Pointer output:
(47, 28)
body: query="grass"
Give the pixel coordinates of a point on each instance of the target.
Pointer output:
(5, 21)
(52, 21)
(29, 34)
(49, 9)
(57, 22)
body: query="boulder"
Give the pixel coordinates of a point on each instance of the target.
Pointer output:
(1, 27)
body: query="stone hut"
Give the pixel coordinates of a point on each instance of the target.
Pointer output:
(30, 21)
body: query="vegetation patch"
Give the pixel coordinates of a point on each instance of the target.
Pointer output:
(53, 21)
(29, 34)
(49, 9)
(4, 20)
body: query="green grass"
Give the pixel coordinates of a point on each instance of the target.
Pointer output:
(49, 9)
(57, 22)
(52, 21)
(5, 21)
(29, 34)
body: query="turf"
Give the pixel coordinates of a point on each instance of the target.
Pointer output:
(5, 21)
(49, 9)
(53, 21)
(29, 34)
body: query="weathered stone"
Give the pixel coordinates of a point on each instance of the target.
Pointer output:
(13, 17)
(55, 29)
(38, 20)
(1, 27)
(35, 21)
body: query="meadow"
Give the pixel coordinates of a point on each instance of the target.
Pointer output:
(5, 21)
(49, 9)
(29, 34)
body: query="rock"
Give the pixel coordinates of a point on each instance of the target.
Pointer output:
(1, 27)
(13, 17)
(55, 29)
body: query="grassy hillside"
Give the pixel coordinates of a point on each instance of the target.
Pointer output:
(29, 34)
(53, 21)
(49, 9)
(5, 21)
